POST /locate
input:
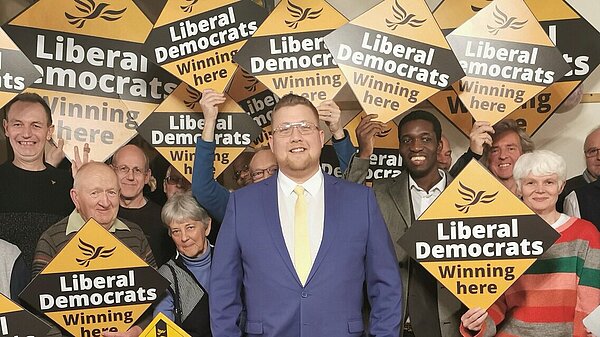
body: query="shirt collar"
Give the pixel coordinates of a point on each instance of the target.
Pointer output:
(75, 223)
(312, 185)
(437, 187)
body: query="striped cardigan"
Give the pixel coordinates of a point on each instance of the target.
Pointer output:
(554, 295)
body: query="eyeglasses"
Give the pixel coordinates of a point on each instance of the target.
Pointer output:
(238, 173)
(124, 170)
(258, 174)
(286, 129)
(179, 181)
(593, 152)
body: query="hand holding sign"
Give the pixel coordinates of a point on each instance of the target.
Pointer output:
(365, 132)
(481, 134)
(473, 319)
(330, 113)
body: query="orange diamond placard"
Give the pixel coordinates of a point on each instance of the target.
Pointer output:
(507, 58)
(477, 237)
(94, 284)
(394, 56)
(287, 52)
(162, 326)
(16, 321)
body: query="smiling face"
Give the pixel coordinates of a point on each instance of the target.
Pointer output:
(26, 127)
(131, 167)
(419, 147)
(95, 193)
(540, 193)
(189, 236)
(297, 154)
(505, 151)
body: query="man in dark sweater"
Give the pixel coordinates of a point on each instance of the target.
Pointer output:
(33, 194)
(133, 172)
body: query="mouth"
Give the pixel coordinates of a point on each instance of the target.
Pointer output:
(298, 150)
(504, 165)
(27, 143)
(417, 160)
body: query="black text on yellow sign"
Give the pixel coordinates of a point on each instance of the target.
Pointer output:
(176, 125)
(95, 284)
(92, 69)
(16, 321)
(196, 42)
(16, 71)
(162, 326)
(288, 53)
(394, 56)
(477, 238)
(571, 34)
(507, 58)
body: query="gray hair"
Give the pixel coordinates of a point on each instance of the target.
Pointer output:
(540, 163)
(509, 125)
(182, 207)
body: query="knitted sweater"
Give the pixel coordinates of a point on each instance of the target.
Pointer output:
(554, 295)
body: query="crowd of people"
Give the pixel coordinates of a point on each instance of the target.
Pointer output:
(295, 251)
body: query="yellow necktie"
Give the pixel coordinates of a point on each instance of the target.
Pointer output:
(302, 260)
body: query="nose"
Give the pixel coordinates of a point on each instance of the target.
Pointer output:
(130, 175)
(27, 131)
(104, 200)
(416, 145)
(296, 135)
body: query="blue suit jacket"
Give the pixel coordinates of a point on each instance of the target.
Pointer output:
(252, 266)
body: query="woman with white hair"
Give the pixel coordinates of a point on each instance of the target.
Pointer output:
(563, 286)
(186, 301)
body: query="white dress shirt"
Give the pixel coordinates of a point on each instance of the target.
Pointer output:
(315, 199)
(571, 205)
(422, 199)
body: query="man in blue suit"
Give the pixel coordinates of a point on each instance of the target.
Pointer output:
(296, 249)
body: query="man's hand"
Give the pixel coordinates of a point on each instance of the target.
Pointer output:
(209, 101)
(365, 131)
(481, 134)
(330, 113)
(77, 161)
(54, 154)
(134, 331)
(474, 318)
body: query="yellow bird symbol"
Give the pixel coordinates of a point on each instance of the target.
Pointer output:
(504, 22)
(92, 253)
(91, 11)
(301, 14)
(472, 198)
(403, 18)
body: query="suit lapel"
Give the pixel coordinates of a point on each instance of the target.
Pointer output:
(331, 222)
(400, 194)
(271, 209)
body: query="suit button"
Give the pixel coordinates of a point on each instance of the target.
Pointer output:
(304, 294)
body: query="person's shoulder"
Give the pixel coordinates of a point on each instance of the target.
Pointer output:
(133, 227)
(349, 186)
(9, 248)
(59, 228)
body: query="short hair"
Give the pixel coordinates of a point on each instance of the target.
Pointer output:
(292, 100)
(594, 130)
(422, 115)
(181, 207)
(540, 163)
(510, 125)
(92, 165)
(146, 160)
(30, 97)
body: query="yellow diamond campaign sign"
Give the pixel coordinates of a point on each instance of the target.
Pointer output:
(477, 237)
(16, 321)
(176, 125)
(576, 38)
(97, 83)
(288, 54)
(256, 99)
(162, 326)
(16, 71)
(95, 284)
(507, 58)
(196, 40)
(394, 56)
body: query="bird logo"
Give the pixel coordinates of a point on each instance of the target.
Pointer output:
(504, 22)
(194, 97)
(301, 14)
(473, 197)
(91, 11)
(403, 18)
(477, 8)
(252, 81)
(188, 7)
(93, 253)
(161, 329)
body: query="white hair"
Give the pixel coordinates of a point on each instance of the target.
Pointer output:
(540, 163)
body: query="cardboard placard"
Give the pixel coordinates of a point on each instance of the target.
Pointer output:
(162, 326)
(394, 56)
(287, 52)
(16, 71)
(97, 83)
(196, 40)
(477, 237)
(507, 58)
(94, 284)
(16, 321)
(176, 125)
(576, 38)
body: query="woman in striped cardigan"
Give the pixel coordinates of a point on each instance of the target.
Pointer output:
(563, 286)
